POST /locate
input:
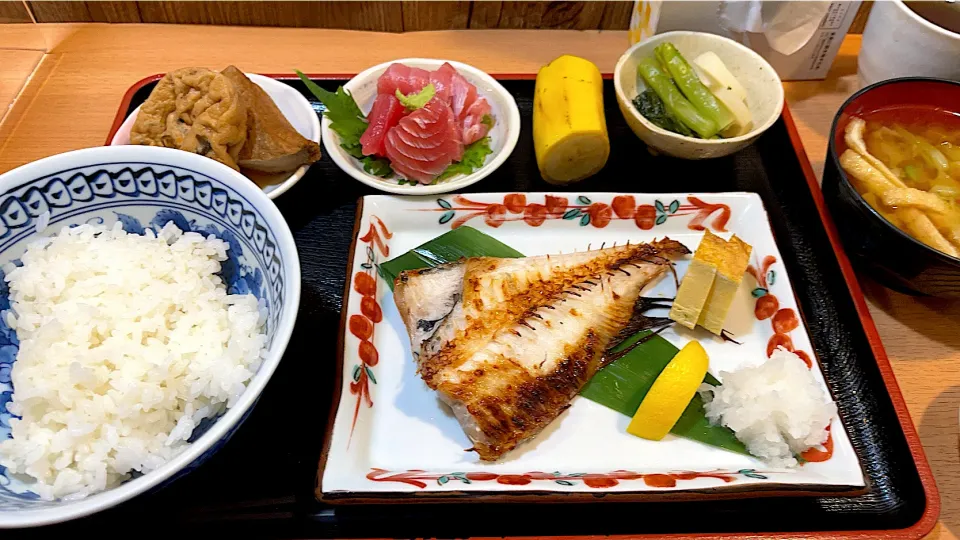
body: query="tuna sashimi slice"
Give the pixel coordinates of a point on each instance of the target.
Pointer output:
(426, 150)
(386, 113)
(407, 79)
(473, 127)
(425, 142)
(441, 83)
(462, 92)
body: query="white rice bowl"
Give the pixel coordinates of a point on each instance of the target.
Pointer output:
(127, 342)
(777, 408)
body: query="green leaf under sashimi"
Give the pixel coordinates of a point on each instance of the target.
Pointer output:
(377, 166)
(349, 123)
(345, 116)
(473, 157)
(622, 385)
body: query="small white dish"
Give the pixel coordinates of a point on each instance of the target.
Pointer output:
(759, 79)
(291, 103)
(503, 136)
(391, 436)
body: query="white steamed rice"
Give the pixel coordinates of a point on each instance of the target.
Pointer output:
(126, 343)
(777, 408)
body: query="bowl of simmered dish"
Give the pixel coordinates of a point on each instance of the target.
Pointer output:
(892, 183)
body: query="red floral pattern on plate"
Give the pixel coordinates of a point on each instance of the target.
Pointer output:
(585, 211)
(783, 321)
(363, 325)
(419, 478)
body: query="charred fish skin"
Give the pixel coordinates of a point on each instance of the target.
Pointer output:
(528, 333)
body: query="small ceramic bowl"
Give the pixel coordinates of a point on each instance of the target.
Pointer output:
(759, 79)
(146, 187)
(877, 247)
(899, 41)
(291, 103)
(503, 136)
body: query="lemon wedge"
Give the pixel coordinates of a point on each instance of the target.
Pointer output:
(670, 393)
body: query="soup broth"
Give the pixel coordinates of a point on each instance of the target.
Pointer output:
(921, 147)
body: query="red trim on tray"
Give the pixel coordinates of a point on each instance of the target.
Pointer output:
(125, 104)
(932, 512)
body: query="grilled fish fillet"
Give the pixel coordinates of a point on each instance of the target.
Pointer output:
(508, 343)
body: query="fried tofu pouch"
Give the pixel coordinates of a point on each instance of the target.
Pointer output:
(196, 110)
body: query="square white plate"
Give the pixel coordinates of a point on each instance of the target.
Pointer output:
(392, 436)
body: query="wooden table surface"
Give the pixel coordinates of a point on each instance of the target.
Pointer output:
(65, 83)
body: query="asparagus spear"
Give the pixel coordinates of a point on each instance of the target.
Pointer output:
(694, 90)
(673, 100)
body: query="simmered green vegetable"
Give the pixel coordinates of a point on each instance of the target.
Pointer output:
(673, 99)
(649, 104)
(694, 90)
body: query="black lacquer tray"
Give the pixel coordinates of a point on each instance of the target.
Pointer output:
(262, 482)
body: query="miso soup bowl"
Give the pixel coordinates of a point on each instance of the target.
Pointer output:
(876, 247)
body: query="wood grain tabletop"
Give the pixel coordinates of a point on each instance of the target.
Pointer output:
(65, 97)
(18, 66)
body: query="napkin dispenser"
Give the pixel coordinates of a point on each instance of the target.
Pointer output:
(799, 39)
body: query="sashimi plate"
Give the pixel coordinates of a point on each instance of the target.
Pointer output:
(503, 136)
(390, 437)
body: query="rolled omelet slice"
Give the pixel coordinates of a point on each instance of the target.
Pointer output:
(569, 128)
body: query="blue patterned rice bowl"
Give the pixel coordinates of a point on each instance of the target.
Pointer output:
(145, 188)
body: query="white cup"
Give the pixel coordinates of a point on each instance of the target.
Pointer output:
(899, 43)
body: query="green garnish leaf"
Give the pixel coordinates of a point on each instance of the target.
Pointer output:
(349, 123)
(354, 149)
(473, 157)
(487, 120)
(450, 246)
(376, 166)
(345, 116)
(417, 99)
